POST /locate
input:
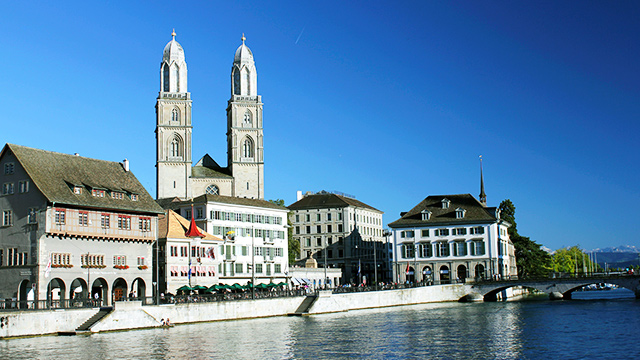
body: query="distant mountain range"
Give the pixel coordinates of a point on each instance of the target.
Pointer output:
(621, 256)
(618, 249)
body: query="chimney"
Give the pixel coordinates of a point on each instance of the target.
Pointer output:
(125, 165)
(298, 195)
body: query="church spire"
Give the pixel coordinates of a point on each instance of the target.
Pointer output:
(483, 196)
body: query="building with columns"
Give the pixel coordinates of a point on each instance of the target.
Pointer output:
(449, 238)
(176, 175)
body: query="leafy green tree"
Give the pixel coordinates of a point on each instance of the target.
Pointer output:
(293, 244)
(531, 260)
(572, 260)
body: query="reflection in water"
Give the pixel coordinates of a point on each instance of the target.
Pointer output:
(573, 329)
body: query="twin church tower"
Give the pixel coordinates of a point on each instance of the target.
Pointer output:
(176, 175)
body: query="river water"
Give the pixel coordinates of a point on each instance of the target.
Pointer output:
(582, 328)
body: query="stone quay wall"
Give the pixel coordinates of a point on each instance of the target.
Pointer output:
(129, 315)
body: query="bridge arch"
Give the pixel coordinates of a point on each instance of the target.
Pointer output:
(560, 288)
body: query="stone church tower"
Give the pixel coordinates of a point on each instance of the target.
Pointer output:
(173, 125)
(244, 174)
(245, 151)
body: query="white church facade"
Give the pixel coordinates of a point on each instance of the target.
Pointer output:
(176, 175)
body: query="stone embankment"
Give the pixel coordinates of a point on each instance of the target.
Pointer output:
(133, 315)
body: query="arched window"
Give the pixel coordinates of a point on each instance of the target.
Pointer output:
(175, 73)
(247, 118)
(175, 115)
(247, 148)
(212, 190)
(175, 148)
(165, 78)
(236, 81)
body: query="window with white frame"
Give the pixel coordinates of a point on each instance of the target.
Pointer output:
(460, 212)
(477, 247)
(124, 222)
(105, 221)
(426, 214)
(83, 218)
(408, 251)
(459, 248)
(424, 233)
(446, 203)
(145, 224)
(7, 188)
(442, 249)
(7, 218)
(460, 231)
(477, 230)
(425, 250)
(442, 232)
(119, 260)
(23, 186)
(59, 216)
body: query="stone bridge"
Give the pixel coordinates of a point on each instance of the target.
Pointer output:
(559, 288)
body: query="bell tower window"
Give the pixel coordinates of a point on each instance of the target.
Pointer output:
(175, 115)
(247, 148)
(247, 119)
(165, 78)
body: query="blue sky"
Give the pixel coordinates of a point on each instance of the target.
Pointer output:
(388, 101)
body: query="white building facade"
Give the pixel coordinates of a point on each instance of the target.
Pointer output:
(342, 232)
(452, 238)
(254, 235)
(186, 260)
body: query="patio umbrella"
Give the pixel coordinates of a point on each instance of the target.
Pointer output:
(199, 287)
(271, 285)
(282, 284)
(184, 288)
(261, 286)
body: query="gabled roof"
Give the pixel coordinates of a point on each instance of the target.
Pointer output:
(475, 211)
(174, 226)
(206, 167)
(55, 175)
(174, 203)
(327, 200)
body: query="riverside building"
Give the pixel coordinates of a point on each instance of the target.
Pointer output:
(73, 228)
(185, 259)
(452, 238)
(253, 231)
(339, 231)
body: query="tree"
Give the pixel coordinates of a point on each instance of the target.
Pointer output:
(531, 260)
(293, 247)
(572, 260)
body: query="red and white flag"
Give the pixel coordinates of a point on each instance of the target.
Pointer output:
(47, 270)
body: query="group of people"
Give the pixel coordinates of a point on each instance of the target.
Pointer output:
(165, 322)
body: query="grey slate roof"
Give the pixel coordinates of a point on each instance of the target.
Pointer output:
(327, 200)
(174, 203)
(206, 167)
(475, 211)
(55, 175)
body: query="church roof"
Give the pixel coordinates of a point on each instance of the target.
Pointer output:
(173, 51)
(328, 200)
(206, 167)
(174, 226)
(475, 212)
(243, 54)
(55, 175)
(174, 203)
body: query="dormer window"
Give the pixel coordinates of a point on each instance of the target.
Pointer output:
(117, 195)
(426, 214)
(134, 197)
(445, 203)
(77, 190)
(460, 212)
(97, 192)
